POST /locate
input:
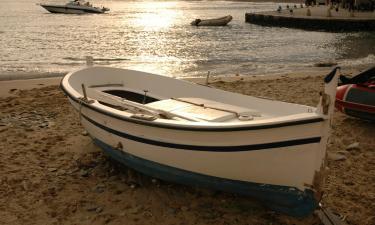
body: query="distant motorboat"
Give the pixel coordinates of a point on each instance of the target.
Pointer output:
(74, 7)
(222, 21)
(177, 131)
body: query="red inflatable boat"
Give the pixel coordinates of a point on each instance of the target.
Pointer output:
(356, 96)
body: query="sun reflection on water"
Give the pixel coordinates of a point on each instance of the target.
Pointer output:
(151, 40)
(156, 16)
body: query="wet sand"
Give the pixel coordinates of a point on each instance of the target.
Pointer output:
(51, 173)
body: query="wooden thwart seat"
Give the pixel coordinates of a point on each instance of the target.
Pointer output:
(204, 109)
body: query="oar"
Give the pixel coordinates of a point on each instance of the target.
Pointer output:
(118, 101)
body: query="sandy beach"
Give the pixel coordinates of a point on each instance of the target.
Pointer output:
(51, 173)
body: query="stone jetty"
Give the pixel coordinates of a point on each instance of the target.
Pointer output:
(315, 18)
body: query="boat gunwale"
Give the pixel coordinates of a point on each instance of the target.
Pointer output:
(241, 127)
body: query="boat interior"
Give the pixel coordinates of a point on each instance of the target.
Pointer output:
(148, 107)
(143, 97)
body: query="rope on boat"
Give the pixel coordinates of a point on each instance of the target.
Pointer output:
(205, 106)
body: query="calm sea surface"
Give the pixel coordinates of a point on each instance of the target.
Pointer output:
(156, 36)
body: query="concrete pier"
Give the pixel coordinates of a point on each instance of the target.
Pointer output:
(319, 18)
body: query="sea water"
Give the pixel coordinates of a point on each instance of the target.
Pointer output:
(156, 36)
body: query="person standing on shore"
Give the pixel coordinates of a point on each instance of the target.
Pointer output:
(351, 5)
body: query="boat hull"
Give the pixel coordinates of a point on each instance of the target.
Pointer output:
(279, 198)
(246, 162)
(71, 9)
(277, 160)
(223, 21)
(356, 101)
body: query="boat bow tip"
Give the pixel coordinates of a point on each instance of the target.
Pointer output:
(328, 78)
(327, 99)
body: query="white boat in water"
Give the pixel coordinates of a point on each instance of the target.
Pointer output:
(196, 135)
(222, 21)
(74, 7)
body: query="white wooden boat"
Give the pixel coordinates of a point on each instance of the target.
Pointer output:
(74, 7)
(222, 21)
(192, 134)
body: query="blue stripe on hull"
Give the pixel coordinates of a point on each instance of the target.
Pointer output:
(238, 148)
(283, 199)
